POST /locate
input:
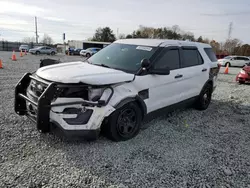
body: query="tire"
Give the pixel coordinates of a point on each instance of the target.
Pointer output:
(37, 52)
(241, 82)
(229, 65)
(204, 98)
(88, 55)
(52, 53)
(124, 123)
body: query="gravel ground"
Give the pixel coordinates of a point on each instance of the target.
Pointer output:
(187, 148)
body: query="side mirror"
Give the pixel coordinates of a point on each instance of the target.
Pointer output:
(164, 71)
(145, 63)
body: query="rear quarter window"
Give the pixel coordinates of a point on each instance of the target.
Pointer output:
(210, 53)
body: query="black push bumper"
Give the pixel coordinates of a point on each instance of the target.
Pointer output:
(42, 106)
(44, 103)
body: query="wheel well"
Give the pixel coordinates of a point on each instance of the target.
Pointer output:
(210, 82)
(141, 104)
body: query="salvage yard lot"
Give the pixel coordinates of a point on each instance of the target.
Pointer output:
(186, 148)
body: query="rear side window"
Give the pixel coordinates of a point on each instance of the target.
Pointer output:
(210, 53)
(242, 58)
(169, 58)
(191, 57)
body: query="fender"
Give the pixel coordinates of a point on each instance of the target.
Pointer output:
(137, 99)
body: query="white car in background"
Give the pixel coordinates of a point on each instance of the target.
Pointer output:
(89, 52)
(237, 61)
(24, 47)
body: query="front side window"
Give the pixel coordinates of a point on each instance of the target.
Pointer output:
(227, 57)
(191, 57)
(169, 58)
(124, 57)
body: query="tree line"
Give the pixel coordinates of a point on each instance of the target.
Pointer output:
(230, 46)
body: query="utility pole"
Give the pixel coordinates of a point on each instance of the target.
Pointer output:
(36, 30)
(230, 30)
(230, 27)
(117, 33)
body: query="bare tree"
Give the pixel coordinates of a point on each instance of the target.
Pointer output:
(29, 39)
(215, 45)
(122, 36)
(206, 40)
(47, 39)
(231, 44)
(176, 29)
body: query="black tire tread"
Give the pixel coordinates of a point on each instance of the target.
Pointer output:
(198, 104)
(110, 127)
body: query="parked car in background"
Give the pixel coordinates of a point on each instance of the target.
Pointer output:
(237, 61)
(24, 47)
(43, 50)
(89, 52)
(74, 51)
(244, 75)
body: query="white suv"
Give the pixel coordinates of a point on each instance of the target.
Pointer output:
(115, 89)
(236, 61)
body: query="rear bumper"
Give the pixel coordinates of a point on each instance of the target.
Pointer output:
(70, 116)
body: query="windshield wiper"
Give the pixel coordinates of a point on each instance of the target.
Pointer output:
(86, 60)
(102, 65)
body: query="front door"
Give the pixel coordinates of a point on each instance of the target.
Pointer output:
(163, 90)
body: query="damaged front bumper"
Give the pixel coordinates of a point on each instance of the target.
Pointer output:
(73, 116)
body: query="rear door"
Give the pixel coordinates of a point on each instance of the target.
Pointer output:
(194, 71)
(237, 61)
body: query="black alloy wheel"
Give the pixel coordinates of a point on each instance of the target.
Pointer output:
(124, 123)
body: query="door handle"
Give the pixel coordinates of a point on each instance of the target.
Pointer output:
(204, 70)
(178, 76)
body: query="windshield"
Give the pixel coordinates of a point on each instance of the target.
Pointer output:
(122, 56)
(227, 57)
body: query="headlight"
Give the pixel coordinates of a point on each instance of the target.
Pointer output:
(94, 94)
(242, 71)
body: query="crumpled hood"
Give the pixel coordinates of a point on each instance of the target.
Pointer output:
(82, 72)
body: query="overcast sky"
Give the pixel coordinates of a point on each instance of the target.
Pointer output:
(79, 18)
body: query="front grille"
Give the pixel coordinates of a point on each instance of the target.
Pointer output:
(35, 89)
